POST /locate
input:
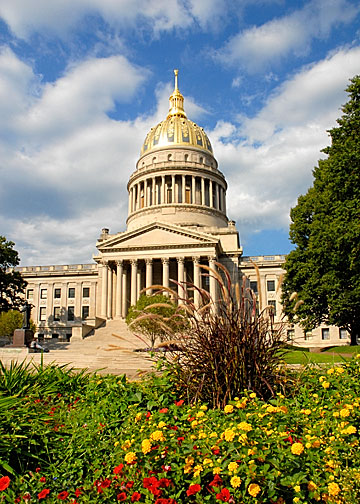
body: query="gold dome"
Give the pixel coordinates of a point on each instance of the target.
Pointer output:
(176, 129)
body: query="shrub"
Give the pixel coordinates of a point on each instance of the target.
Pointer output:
(227, 347)
(11, 320)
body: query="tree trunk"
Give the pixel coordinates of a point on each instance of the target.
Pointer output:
(354, 334)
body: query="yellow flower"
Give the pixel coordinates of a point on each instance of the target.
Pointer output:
(197, 470)
(349, 430)
(200, 414)
(217, 470)
(245, 426)
(130, 457)
(194, 423)
(297, 488)
(146, 446)
(213, 434)
(228, 434)
(330, 371)
(208, 461)
(297, 448)
(161, 424)
(252, 395)
(251, 451)
(232, 467)
(204, 407)
(254, 489)
(296, 500)
(235, 481)
(339, 370)
(242, 438)
(126, 445)
(202, 435)
(229, 408)
(157, 436)
(311, 486)
(306, 411)
(307, 445)
(325, 384)
(333, 489)
(344, 413)
(138, 417)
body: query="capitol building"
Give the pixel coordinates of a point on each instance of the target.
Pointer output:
(177, 220)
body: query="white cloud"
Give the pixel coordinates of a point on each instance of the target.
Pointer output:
(59, 16)
(270, 164)
(256, 47)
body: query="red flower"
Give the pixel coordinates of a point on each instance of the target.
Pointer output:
(42, 479)
(63, 495)
(129, 484)
(216, 482)
(121, 497)
(77, 492)
(152, 484)
(38, 469)
(44, 493)
(179, 403)
(118, 469)
(224, 495)
(215, 451)
(163, 410)
(164, 483)
(180, 440)
(105, 483)
(135, 497)
(193, 489)
(4, 483)
(18, 499)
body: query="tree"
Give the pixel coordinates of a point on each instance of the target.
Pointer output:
(324, 268)
(151, 312)
(11, 320)
(12, 284)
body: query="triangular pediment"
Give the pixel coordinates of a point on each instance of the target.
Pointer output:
(157, 235)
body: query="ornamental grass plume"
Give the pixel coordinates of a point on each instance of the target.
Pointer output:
(225, 347)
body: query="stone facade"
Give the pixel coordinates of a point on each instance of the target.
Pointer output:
(176, 221)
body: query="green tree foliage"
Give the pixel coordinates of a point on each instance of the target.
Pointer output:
(324, 268)
(11, 320)
(150, 313)
(12, 284)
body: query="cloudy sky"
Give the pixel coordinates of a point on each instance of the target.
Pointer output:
(82, 81)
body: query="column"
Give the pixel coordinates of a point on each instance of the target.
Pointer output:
(133, 283)
(145, 194)
(118, 305)
(124, 293)
(202, 191)
(165, 280)
(149, 275)
(138, 283)
(196, 261)
(104, 289)
(156, 193)
(218, 196)
(183, 189)
(153, 191)
(110, 292)
(173, 200)
(213, 283)
(162, 190)
(181, 291)
(224, 201)
(129, 207)
(193, 190)
(211, 193)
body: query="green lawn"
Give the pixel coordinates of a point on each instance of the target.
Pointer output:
(328, 356)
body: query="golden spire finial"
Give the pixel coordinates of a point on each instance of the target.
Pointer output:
(176, 100)
(176, 79)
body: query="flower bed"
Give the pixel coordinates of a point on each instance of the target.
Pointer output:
(85, 438)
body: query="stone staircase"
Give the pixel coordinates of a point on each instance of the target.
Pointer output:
(110, 349)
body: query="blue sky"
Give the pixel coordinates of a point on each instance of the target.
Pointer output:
(82, 81)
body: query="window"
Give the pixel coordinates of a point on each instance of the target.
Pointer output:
(325, 334)
(57, 293)
(253, 286)
(307, 335)
(343, 334)
(71, 292)
(270, 285)
(55, 336)
(30, 294)
(40, 337)
(272, 304)
(57, 313)
(43, 294)
(86, 292)
(42, 313)
(71, 313)
(290, 334)
(85, 312)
